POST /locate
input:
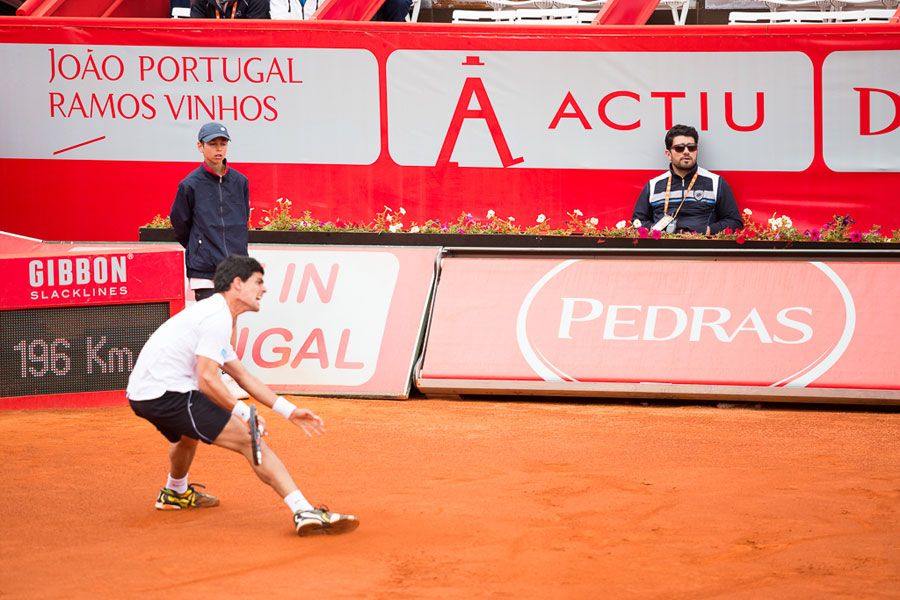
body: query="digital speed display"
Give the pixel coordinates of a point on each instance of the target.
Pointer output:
(73, 349)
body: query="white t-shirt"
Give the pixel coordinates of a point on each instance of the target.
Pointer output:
(293, 10)
(168, 361)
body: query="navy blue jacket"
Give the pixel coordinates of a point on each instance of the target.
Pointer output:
(210, 215)
(710, 202)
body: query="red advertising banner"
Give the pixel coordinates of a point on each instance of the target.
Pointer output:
(522, 120)
(777, 324)
(79, 275)
(342, 321)
(73, 317)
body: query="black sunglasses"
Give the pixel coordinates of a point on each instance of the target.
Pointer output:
(679, 148)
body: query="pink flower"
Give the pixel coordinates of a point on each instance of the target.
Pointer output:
(643, 232)
(814, 235)
(656, 234)
(855, 236)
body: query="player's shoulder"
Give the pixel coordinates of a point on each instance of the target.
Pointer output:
(207, 311)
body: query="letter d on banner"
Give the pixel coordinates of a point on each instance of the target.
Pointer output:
(865, 111)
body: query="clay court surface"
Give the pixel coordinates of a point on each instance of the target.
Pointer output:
(467, 499)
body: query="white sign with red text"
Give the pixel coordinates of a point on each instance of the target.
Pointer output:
(281, 105)
(755, 323)
(599, 110)
(861, 110)
(338, 320)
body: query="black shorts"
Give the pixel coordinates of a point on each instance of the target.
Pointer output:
(190, 414)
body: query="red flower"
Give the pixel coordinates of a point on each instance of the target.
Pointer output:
(642, 232)
(728, 231)
(656, 234)
(855, 236)
(740, 239)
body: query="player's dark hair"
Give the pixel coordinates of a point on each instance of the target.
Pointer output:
(235, 266)
(685, 130)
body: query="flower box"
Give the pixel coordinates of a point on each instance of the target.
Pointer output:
(577, 243)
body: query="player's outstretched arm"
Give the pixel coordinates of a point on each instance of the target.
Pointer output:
(305, 419)
(210, 383)
(250, 383)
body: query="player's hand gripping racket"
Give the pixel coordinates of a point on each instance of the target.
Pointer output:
(255, 436)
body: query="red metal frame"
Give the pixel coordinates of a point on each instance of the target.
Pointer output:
(94, 8)
(626, 12)
(348, 10)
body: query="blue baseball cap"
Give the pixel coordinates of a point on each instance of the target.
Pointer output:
(211, 131)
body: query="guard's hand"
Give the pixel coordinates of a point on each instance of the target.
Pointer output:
(308, 421)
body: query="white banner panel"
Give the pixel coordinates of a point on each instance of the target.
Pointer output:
(599, 110)
(146, 103)
(324, 317)
(861, 110)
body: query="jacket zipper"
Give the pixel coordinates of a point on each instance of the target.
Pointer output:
(222, 217)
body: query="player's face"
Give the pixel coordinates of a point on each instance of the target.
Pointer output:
(214, 151)
(683, 152)
(252, 292)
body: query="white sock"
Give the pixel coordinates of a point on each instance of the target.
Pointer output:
(178, 486)
(296, 502)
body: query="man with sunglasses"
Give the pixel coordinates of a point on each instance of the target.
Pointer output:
(686, 197)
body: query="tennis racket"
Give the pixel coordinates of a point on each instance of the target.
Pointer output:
(255, 436)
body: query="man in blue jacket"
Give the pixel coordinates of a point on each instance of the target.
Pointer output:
(211, 211)
(686, 197)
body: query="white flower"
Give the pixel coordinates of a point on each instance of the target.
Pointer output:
(636, 223)
(577, 212)
(491, 213)
(388, 218)
(541, 218)
(748, 212)
(782, 222)
(621, 224)
(387, 208)
(402, 211)
(594, 221)
(510, 219)
(414, 229)
(395, 227)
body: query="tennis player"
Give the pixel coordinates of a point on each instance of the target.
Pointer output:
(176, 386)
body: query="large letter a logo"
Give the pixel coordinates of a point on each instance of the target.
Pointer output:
(474, 87)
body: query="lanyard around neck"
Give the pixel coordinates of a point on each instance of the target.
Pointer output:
(233, 10)
(684, 194)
